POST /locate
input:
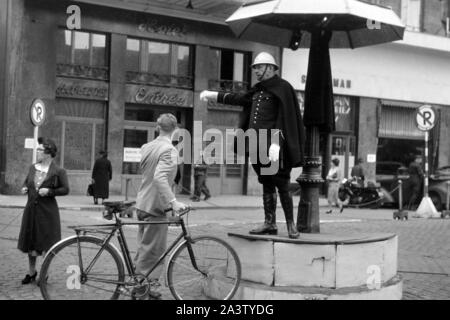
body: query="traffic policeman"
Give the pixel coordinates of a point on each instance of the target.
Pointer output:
(270, 106)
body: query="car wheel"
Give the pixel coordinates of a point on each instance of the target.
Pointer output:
(436, 201)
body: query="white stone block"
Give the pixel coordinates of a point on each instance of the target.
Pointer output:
(305, 265)
(257, 259)
(390, 259)
(355, 263)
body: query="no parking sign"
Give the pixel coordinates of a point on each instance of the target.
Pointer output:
(37, 112)
(425, 118)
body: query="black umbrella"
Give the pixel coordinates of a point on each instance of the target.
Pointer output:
(319, 25)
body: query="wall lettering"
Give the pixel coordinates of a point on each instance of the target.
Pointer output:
(159, 96)
(159, 27)
(83, 89)
(337, 83)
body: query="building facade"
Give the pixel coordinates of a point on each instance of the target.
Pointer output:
(106, 81)
(378, 90)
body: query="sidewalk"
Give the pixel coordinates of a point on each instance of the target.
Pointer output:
(81, 202)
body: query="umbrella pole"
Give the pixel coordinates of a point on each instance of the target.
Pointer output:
(308, 217)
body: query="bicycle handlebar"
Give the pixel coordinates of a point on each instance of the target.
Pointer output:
(181, 212)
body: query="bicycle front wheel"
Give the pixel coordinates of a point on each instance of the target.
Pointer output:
(215, 275)
(97, 277)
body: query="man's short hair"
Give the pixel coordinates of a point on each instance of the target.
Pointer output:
(335, 161)
(167, 122)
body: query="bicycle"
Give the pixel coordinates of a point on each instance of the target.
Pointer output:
(91, 267)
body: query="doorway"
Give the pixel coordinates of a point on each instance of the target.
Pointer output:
(135, 135)
(343, 148)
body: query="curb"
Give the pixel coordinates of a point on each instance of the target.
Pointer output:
(101, 208)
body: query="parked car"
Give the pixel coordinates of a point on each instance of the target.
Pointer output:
(388, 173)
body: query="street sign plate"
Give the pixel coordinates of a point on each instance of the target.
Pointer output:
(425, 118)
(38, 112)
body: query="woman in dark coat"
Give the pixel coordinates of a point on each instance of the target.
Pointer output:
(41, 227)
(101, 175)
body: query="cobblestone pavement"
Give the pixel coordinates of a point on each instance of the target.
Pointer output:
(424, 248)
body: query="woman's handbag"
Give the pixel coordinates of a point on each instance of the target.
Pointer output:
(90, 190)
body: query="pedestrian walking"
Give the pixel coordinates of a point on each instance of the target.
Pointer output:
(41, 227)
(271, 106)
(101, 175)
(200, 177)
(415, 181)
(357, 172)
(334, 178)
(159, 167)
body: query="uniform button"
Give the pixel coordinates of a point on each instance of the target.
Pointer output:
(257, 105)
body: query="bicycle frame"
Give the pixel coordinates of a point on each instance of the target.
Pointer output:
(118, 227)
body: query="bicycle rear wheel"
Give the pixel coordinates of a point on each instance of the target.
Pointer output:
(218, 275)
(62, 277)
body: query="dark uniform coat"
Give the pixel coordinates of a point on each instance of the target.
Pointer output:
(41, 227)
(102, 174)
(273, 104)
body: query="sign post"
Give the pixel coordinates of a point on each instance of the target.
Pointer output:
(426, 120)
(37, 116)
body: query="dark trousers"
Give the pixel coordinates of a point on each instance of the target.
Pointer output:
(415, 186)
(200, 186)
(270, 183)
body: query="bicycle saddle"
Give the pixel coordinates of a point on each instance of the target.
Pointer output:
(117, 206)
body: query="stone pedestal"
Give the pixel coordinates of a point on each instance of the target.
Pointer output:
(318, 267)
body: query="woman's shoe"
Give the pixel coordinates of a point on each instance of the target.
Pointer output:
(28, 279)
(329, 211)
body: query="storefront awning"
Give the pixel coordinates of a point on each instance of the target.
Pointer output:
(403, 104)
(211, 11)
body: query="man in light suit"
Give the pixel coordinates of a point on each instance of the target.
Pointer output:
(159, 168)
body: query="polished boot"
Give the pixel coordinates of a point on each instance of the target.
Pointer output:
(288, 208)
(270, 223)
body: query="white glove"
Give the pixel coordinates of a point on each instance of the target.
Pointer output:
(274, 152)
(206, 95)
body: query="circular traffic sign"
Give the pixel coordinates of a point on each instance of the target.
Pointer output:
(38, 112)
(425, 118)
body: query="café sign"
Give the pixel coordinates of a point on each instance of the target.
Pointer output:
(159, 96)
(82, 89)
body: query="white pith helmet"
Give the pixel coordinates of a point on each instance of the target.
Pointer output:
(265, 58)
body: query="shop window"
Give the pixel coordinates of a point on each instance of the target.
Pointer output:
(158, 58)
(82, 140)
(159, 63)
(229, 70)
(344, 110)
(133, 55)
(82, 54)
(399, 122)
(82, 132)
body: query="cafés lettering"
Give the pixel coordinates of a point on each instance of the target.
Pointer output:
(156, 26)
(144, 95)
(75, 90)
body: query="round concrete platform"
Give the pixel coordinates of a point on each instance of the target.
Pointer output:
(327, 261)
(391, 290)
(320, 238)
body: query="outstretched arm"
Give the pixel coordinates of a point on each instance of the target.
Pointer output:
(236, 99)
